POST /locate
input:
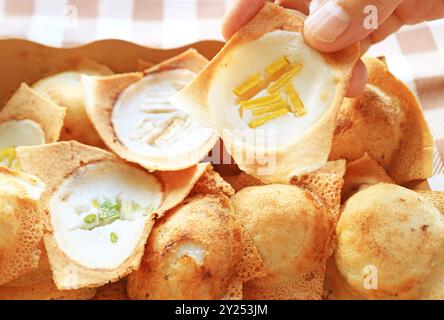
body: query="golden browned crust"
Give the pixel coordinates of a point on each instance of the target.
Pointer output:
(326, 183)
(21, 225)
(190, 59)
(243, 180)
(369, 124)
(434, 288)
(363, 173)
(290, 229)
(54, 163)
(437, 197)
(38, 284)
(209, 188)
(178, 184)
(413, 160)
(194, 99)
(26, 103)
(112, 291)
(212, 183)
(68, 93)
(102, 94)
(391, 235)
(168, 273)
(394, 133)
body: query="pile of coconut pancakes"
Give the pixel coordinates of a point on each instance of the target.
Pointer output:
(103, 193)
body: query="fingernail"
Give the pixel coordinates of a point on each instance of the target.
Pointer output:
(328, 22)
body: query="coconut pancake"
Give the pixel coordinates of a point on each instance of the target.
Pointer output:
(99, 210)
(63, 87)
(135, 118)
(272, 98)
(390, 244)
(37, 284)
(27, 119)
(112, 291)
(291, 226)
(362, 173)
(187, 259)
(386, 122)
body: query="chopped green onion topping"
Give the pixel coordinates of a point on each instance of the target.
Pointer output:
(107, 211)
(113, 237)
(91, 218)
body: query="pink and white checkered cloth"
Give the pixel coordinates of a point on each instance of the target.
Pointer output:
(414, 54)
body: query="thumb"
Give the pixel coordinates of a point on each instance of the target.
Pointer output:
(336, 24)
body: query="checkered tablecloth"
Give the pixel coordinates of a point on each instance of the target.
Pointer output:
(415, 54)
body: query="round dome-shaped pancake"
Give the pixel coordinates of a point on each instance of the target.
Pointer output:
(370, 123)
(386, 122)
(37, 284)
(361, 174)
(290, 230)
(395, 232)
(65, 89)
(192, 253)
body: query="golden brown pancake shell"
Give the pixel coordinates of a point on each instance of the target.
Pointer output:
(69, 94)
(291, 231)
(204, 222)
(386, 122)
(392, 230)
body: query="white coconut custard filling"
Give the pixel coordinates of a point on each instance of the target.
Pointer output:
(18, 133)
(147, 123)
(98, 214)
(276, 83)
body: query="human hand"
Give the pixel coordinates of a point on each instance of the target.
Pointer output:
(333, 25)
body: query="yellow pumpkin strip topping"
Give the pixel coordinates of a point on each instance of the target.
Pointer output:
(271, 108)
(260, 102)
(262, 120)
(250, 87)
(286, 78)
(296, 104)
(277, 68)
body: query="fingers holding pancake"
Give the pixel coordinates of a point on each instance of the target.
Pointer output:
(254, 94)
